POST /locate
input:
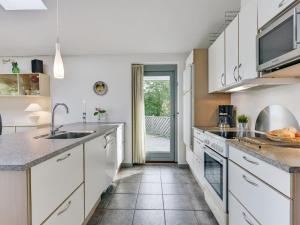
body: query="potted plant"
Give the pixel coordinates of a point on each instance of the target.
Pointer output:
(101, 113)
(243, 121)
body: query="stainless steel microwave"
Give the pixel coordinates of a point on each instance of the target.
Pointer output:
(278, 45)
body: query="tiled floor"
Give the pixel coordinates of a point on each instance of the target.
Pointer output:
(154, 195)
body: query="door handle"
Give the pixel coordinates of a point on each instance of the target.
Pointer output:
(250, 161)
(281, 4)
(246, 219)
(249, 181)
(234, 70)
(63, 158)
(239, 75)
(65, 209)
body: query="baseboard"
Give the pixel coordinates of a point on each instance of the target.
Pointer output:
(183, 166)
(126, 165)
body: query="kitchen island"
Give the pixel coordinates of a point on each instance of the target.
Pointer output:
(57, 181)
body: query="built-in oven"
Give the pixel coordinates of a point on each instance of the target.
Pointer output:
(278, 45)
(215, 174)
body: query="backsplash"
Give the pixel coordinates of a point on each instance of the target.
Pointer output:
(252, 102)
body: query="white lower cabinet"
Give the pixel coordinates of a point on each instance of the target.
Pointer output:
(265, 203)
(238, 215)
(53, 181)
(71, 211)
(95, 177)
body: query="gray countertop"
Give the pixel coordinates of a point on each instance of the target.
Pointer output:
(21, 150)
(287, 159)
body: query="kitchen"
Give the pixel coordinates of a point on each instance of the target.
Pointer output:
(234, 130)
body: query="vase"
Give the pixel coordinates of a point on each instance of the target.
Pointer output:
(101, 117)
(243, 126)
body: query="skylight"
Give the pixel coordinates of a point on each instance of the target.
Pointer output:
(23, 4)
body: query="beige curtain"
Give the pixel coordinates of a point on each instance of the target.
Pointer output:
(138, 115)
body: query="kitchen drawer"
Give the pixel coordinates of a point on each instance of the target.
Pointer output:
(267, 205)
(198, 148)
(70, 212)
(199, 134)
(275, 177)
(53, 181)
(238, 215)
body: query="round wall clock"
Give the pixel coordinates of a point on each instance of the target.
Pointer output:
(100, 88)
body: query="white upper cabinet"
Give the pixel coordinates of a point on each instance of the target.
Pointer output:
(216, 66)
(247, 41)
(232, 51)
(267, 9)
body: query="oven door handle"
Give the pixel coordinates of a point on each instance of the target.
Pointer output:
(215, 156)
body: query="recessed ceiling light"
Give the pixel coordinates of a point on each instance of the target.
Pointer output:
(23, 4)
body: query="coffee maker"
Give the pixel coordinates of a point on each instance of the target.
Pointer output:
(226, 117)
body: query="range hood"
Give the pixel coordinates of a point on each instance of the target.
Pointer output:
(259, 83)
(285, 76)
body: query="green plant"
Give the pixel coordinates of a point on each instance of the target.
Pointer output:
(99, 111)
(243, 119)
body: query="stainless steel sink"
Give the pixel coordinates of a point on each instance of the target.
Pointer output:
(71, 135)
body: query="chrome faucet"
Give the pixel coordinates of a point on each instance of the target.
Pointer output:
(53, 129)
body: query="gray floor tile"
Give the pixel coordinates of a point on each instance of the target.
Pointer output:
(176, 217)
(170, 189)
(177, 202)
(129, 188)
(152, 170)
(149, 217)
(117, 217)
(150, 188)
(149, 202)
(205, 218)
(151, 178)
(122, 201)
(177, 179)
(132, 179)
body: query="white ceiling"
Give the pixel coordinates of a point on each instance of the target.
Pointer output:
(113, 26)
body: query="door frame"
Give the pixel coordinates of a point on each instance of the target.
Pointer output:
(170, 68)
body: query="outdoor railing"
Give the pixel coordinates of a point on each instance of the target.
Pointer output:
(158, 125)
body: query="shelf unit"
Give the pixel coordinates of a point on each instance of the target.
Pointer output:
(25, 84)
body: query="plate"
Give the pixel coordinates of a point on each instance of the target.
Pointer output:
(285, 140)
(100, 88)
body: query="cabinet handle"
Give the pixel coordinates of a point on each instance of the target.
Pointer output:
(63, 158)
(223, 79)
(65, 209)
(249, 181)
(234, 70)
(250, 161)
(246, 219)
(239, 75)
(281, 4)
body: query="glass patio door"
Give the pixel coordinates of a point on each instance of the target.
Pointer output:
(160, 112)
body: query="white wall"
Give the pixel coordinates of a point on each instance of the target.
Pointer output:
(81, 72)
(252, 102)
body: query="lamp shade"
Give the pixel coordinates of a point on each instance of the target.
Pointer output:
(33, 107)
(58, 68)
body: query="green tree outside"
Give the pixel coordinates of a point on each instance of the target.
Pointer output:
(157, 97)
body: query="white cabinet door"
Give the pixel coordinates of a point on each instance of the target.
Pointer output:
(187, 79)
(268, 9)
(238, 215)
(232, 51)
(120, 145)
(71, 211)
(110, 157)
(187, 119)
(53, 181)
(95, 178)
(216, 64)
(247, 40)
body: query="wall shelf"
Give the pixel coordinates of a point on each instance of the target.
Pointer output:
(24, 85)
